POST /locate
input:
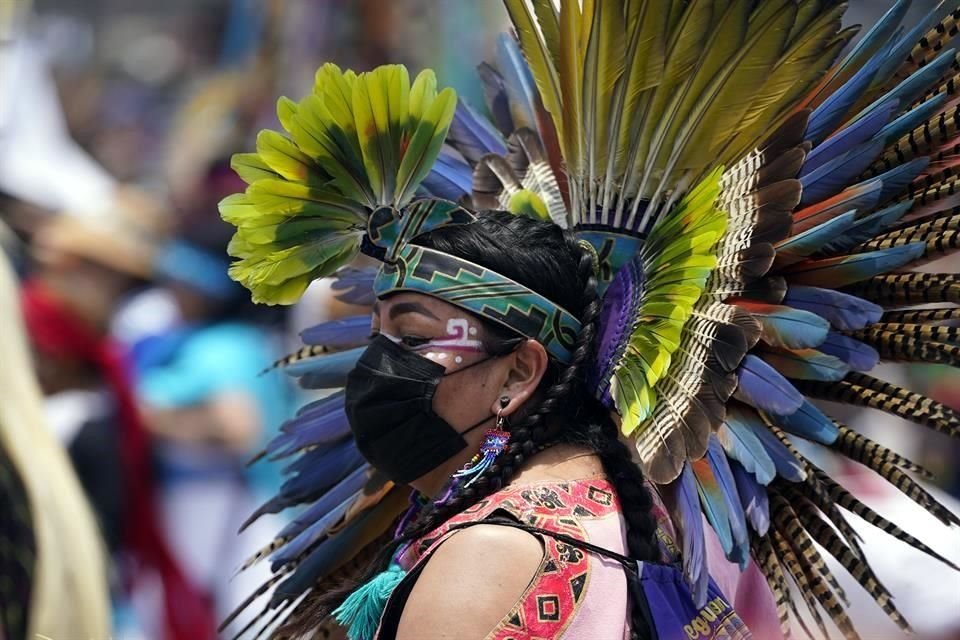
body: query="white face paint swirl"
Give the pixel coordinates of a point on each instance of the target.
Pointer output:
(458, 340)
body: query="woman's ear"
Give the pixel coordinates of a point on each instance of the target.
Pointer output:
(528, 364)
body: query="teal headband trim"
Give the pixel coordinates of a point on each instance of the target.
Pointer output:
(486, 293)
(481, 291)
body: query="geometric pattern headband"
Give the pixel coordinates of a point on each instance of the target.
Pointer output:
(482, 291)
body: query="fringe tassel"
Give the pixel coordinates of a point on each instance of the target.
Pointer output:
(360, 612)
(493, 445)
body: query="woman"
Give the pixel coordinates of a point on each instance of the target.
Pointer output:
(564, 468)
(678, 231)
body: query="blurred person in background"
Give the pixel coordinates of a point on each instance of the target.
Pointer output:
(51, 585)
(84, 267)
(209, 410)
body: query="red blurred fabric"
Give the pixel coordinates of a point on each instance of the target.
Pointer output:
(58, 332)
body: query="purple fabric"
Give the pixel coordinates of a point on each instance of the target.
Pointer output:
(676, 617)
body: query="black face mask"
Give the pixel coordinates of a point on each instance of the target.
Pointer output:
(389, 404)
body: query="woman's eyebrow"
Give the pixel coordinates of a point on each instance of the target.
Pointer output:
(411, 307)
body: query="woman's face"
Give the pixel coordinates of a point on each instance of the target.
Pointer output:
(454, 339)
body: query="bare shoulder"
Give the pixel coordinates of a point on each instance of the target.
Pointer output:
(470, 583)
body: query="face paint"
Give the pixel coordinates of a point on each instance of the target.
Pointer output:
(458, 338)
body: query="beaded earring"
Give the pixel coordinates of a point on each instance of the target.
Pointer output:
(494, 442)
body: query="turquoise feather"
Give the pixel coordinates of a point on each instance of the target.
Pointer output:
(805, 364)
(782, 326)
(846, 270)
(713, 503)
(808, 422)
(741, 444)
(814, 239)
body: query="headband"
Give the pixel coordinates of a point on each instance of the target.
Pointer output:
(482, 291)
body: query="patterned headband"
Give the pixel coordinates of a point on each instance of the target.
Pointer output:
(408, 267)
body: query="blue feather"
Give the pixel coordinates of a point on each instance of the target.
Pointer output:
(859, 197)
(355, 285)
(831, 178)
(873, 43)
(473, 135)
(318, 423)
(826, 118)
(762, 386)
(686, 517)
(913, 87)
(713, 503)
(808, 422)
(895, 181)
(911, 120)
(346, 489)
(788, 467)
(783, 326)
(905, 44)
(844, 311)
(328, 371)
(847, 139)
(813, 239)
(322, 469)
(521, 88)
(346, 332)
(740, 553)
(806, 364)
(450, 178)
(741, 444)
(860, 356)
(312, 533)
(335, 550)
(867, 227)
(845, 270)
(753, 498)
(316, 471)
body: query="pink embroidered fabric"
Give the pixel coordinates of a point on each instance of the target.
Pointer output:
(576, 594)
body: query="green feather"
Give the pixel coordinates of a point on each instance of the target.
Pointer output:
(527, 203)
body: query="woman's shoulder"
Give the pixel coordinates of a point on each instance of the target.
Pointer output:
(496, 561)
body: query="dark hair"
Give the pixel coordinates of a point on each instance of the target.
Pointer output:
(555, 265)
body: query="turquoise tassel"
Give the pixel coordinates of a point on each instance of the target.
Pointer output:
(360, 612)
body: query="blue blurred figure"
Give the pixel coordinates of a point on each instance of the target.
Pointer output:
(210, 409)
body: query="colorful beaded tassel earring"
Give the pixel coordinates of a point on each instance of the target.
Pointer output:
(494, 442)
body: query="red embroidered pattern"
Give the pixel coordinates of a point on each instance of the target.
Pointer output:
(554, 596)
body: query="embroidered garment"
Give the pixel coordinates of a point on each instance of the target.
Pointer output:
(574, 594)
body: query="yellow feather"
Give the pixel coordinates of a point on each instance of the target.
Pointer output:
(541, 61)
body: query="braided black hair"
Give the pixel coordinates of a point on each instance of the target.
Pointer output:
(557, 266)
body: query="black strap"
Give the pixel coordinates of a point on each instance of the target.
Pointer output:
(632, 568)
(630, 565)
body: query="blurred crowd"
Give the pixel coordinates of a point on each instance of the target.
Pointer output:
(116, 148)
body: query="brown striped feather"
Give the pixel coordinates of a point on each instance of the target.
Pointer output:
(822, 583)
(773, 572)
(905, 289)
(863, 391)
(826, 537)
(789, 559)
(872, 454)
(819, 496)
(922, 316)
(848, 501)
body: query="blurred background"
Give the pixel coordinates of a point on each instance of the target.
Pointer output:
(117, 122)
